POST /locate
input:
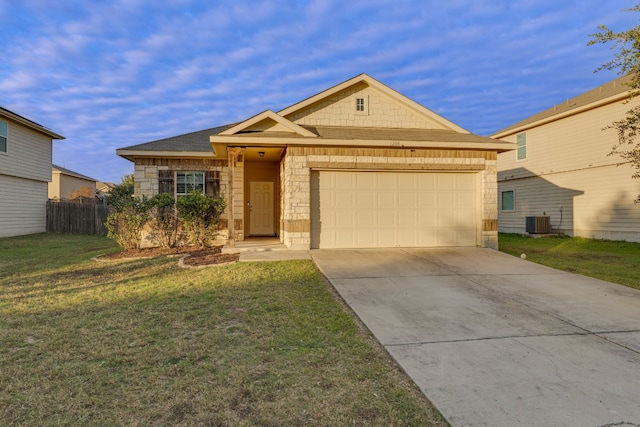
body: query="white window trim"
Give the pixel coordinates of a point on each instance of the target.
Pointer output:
(365, 112)
(514, 200)
(525, 147)
(204, 183)
(7, 138)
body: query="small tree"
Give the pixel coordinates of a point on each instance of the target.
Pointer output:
(199, 215)
(83, 193)
(121, 194)
(627, 61)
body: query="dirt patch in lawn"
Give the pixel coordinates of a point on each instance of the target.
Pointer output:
(190, 256)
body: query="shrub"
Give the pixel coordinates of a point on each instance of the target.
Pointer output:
(164, 221)
(199, 215)
(126, 220)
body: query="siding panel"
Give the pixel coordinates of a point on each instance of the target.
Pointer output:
(595, 203)
(22, 206)
(28, 154)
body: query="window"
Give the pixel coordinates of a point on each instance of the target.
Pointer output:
(3, 136)
(521, 139)
(508, 201)
(186, 182)
(360, 103)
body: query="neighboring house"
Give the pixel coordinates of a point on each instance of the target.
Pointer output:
(66, 184)
(561, 169)
(356, 166)
(25, 171)
(104, 188)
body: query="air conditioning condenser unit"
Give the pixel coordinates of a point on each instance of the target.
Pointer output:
(538, 224)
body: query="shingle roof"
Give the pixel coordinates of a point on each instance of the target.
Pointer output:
(371, 133)
(29, 123)
(194, 141)
(72, 173)
(333, 132)
(612, 88)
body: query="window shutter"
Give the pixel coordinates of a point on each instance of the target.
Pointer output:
(165, 182)
(212, 183)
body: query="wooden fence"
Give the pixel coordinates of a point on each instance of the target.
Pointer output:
(76, 218)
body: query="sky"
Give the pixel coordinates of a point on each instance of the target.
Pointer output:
(109, 74)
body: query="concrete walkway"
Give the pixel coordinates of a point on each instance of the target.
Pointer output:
(493, 340)
(265, 249)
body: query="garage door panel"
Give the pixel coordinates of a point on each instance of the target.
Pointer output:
(386, 219)
(408, 218)
(446, 199)
(407, 181)
(389, 182)
(345, 219)
(367, 181)
(393, 209)
(408, 200)
(427, 199)
(386, 200)
(366, 200)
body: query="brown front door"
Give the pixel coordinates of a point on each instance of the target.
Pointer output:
(261, 208)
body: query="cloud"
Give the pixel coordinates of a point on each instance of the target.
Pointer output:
(116, 73)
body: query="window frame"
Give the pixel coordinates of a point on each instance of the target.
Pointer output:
(194, 184)
(521, 143)
(513, 200)
(5, 136)
(365, 104)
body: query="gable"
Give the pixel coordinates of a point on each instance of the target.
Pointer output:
(270, 122)
(383, 108)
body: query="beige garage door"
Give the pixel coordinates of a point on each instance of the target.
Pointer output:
(392, 209)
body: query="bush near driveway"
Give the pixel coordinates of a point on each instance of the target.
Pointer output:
(144, 342)
(613, 261)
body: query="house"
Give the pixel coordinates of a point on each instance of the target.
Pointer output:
(561, 171)
(104, 188)
(356, 166)
(67, 184)
(25, 171)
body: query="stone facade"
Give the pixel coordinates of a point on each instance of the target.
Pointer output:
(295, 185)
(299, 161)
(147, 184)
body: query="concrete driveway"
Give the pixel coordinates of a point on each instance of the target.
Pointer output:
(493, 340)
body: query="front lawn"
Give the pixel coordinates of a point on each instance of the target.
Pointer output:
(143, 342)
(613, 261)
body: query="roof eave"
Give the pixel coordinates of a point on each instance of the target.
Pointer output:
(513, 130)
(31, 125)
(132, 154)
(499, 146)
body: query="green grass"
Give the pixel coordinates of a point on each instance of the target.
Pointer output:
(143, 342)
(613, 261)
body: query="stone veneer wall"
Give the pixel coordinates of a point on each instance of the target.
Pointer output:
(146, 179)
(299, 161)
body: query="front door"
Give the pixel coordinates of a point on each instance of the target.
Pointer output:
(261, 208)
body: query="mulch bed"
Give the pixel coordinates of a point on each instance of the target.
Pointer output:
(197, 256)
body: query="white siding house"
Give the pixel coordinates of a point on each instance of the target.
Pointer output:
(25, 170)
(562, 169)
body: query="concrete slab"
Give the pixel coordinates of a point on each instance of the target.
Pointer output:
(274, 255)
(423, 309)
(495, 340)
(530, 381)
